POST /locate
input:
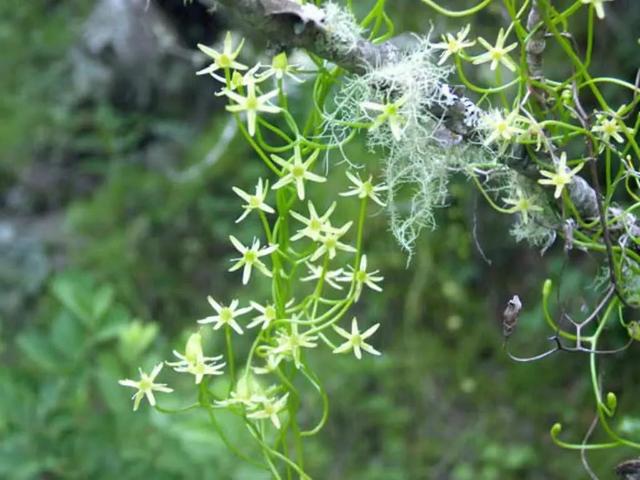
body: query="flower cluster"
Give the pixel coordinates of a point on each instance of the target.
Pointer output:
(497, 54)
(610, 126)
(281, 329)
(286, 330)
(314, 260)
(244, 90)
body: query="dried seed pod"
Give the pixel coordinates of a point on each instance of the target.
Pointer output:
(510, 316)
(629, 470)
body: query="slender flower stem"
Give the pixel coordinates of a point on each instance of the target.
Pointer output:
(228, 335)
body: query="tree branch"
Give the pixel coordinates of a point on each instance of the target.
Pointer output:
(289, 24)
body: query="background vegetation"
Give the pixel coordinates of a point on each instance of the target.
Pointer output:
(115, 206)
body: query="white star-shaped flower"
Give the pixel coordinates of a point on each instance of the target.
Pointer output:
(330, 276)
(315, 225)
(356, 340)
(291, 343)
(238, 79)
(280, 67)
(248, 392)
(361, 277)
(453, 45)
(224, 60)
(497, 53)
(390, 113)
(296, 171)
(255, 201)
(609, 125)
(226, 315)
(365, 189)
(252, 104)
(523, 205)
(267, 315)
(251, 258)
(194, 362)
(146, 387)
(271, 363)
(561, 177)
(330, 243)
(502, 127)
(270, 408)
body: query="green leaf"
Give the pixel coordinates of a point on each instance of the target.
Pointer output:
(136, 338)
(68, 291)
(39, 351)
(102, 301)
(114, 322)
(67, 335)
(115, 396)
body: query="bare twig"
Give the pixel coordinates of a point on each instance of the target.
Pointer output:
(536, 43)
(475, 232)
(592, 160)
(583, 452)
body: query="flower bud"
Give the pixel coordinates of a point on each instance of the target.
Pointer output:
(280, 62)
(612, 402)
(633, 329)
(567, 97)
(237, 80)
(193, 350)
(135, 338)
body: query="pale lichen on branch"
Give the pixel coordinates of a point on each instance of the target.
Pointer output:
(289, 24)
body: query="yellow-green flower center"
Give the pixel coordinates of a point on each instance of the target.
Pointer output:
(145, 384)
(298, 171)
(226, 315)
(391, 110)
(609, 127)
(523, 204)
(252, 103)
(315, 225)
(224, 61)
(270, 313)
(280, 62)
(198, 368)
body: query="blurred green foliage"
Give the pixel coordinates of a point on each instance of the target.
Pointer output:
(141, 249)
(62, 414)
(34, 37)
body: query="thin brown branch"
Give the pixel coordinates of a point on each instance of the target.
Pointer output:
(602, 214)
